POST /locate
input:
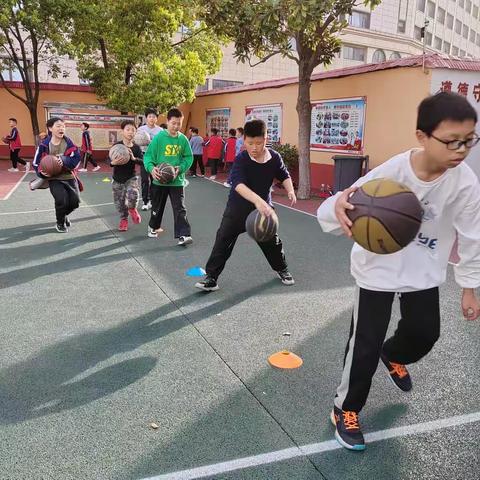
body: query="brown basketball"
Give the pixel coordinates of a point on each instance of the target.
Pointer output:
(119, 154)
(387, 216)
(142, 138)
(260, 227)
(51, 165)
(166, 171)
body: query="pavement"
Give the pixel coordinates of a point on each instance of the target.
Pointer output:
(103, 334)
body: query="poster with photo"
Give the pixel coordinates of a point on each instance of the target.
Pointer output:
(338, 125)
(271, 115)
(104, 126)
(218, 118)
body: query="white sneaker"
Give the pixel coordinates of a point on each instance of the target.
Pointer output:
(82, 170)
(201, 175)
(27, 167)
(226, 185)
(184, 241)
(96, 169)
(213, 177)
(149, 205)
(152, 233)
(12, 170)
(145, 206)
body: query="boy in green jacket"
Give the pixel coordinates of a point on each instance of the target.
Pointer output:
(172, 147)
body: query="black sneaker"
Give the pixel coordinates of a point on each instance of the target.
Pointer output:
(67, 222)
(208, 285)
(398, 374)
(347, 433)
(286, 277)
(61, 228)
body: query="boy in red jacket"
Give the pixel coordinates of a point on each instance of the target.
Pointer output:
(230, 154)
(215, 146)
(86, 150)
(14, 143)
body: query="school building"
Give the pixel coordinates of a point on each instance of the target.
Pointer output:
(361, 110)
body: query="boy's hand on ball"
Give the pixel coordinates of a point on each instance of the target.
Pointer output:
(177, 171)
(341, 207)
(264, 208)
(293, 198)
(156, 174)
(470, 304)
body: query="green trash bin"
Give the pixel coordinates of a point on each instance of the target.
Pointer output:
(348, 169)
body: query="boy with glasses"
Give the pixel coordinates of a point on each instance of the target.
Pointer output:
(450, 196)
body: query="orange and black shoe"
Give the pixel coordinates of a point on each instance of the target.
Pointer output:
(347, 433)
(398, 374)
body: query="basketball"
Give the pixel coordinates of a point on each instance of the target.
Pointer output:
(51, 166)
(166, 171)
(387, 216)
(260, 227)
(119, 154)
(142, 138)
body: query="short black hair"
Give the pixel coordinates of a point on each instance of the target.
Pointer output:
(163, 125)
(13, 119)
(255, 128)
(86, 125)
(232, 132)
(52, 121)
(127, 122)
(240, 130)
(443, 106)
(174, 113)
(149, 111)
(194, 130)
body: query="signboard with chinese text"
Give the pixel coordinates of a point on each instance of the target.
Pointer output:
(338, 125)
(271, 115)
(467, 84)
(218, 118)
(104, 127)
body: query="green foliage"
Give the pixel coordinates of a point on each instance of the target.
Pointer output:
(134, 56)
(289, 154)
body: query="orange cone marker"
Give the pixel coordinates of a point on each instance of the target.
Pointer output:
(285, 359)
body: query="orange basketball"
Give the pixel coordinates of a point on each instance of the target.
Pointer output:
(51, 165)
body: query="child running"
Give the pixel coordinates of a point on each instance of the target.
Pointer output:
(87, 149)
(252, 177)
(14, 145)
(450, 196)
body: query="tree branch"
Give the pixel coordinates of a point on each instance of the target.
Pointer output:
(263, 60)
(103, 49)
(10, 91)
(190, 37)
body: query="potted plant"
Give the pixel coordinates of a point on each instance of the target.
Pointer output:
(289, 153)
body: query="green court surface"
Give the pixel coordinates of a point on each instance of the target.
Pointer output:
(102, 333)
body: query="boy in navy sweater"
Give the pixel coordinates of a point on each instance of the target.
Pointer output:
(253, 173)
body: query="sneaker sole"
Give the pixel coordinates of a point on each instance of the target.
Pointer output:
(286, 282)
(205, 289)
(184, 244)
(338, 438)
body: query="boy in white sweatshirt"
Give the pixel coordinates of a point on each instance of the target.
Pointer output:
(450, 196)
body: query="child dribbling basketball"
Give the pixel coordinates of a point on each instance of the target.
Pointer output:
(252, 176)
(449, 193)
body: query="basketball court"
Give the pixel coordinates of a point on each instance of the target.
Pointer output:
(103, 335)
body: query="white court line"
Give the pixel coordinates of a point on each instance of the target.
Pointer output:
(314, 448)
(16, 186)
(276, 203)
(52, 209)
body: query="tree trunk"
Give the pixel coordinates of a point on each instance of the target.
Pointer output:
(34, 121)
(304, 110)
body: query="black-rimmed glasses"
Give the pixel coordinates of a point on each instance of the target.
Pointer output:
(458, 144)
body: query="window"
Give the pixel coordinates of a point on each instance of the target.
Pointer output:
(449, 21)
(473, 35)
(461, 53)
(437, 43)
(428, 38)
(359, 19)
(465, 31)
(417, 34)
(379, 56)
(455, 51)
(203, 88)
(446, 47)
(458, 26)
(475, 11)
(468, 6)
(395, 56)
(478, 39)
(401, 26)
(216, 83)
(10, 73)
(441, 15)
(431, 9)
(354, 53)
(421, 5)
(461, 3)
